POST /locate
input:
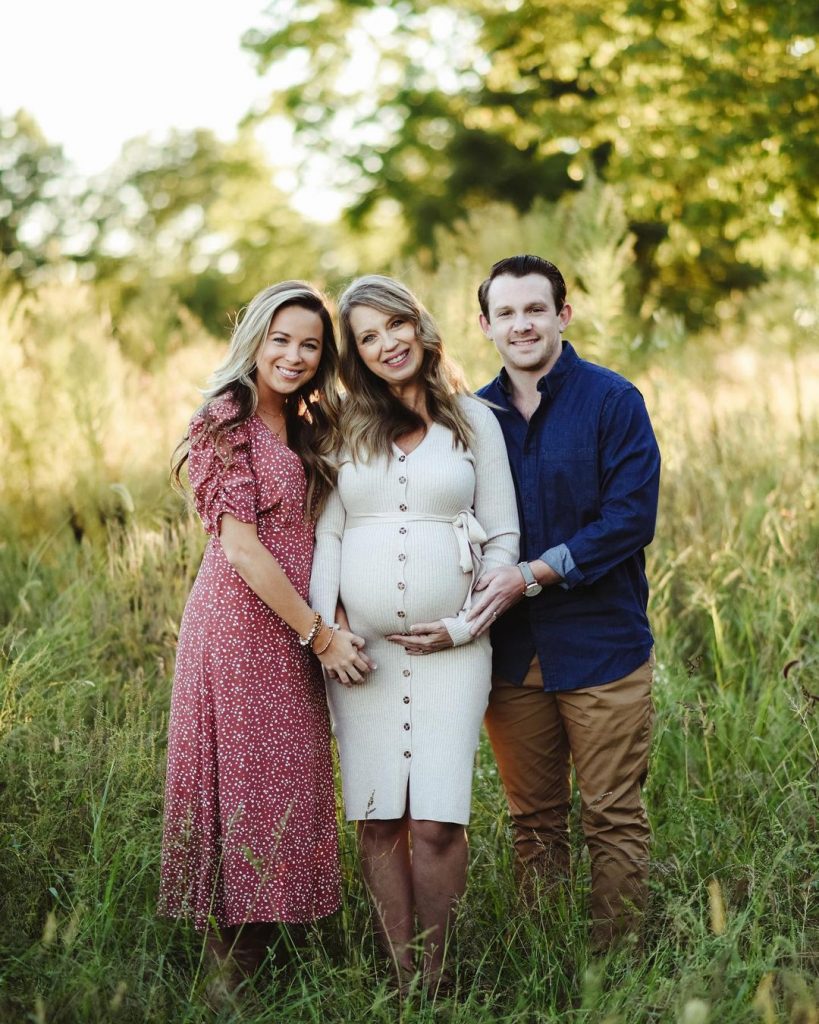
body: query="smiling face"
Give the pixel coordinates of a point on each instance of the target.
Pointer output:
(524, 324)
(388, 345)
(289, 356)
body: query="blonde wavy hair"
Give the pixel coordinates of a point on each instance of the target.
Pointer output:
(372, 418)
(311, 413)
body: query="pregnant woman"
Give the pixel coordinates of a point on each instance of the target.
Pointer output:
(250, 827)
(424, 503)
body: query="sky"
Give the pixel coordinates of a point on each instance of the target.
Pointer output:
(95, 73)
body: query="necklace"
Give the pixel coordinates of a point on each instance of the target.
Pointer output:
(270, 420)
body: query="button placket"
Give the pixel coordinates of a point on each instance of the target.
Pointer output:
(405, 718)
(400, 582)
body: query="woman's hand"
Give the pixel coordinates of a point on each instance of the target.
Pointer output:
(423, 638)
(344, 658)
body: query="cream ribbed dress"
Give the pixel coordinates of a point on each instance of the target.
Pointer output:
(400, 542)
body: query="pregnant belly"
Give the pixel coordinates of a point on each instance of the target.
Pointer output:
(427, 583)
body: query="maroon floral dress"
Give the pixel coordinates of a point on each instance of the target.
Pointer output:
(250, 826)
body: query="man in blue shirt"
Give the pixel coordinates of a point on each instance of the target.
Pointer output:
(572, 647)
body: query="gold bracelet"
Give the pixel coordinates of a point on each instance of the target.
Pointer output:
(332, 637)
(307, 641)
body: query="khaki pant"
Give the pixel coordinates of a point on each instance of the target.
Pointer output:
(606, 732)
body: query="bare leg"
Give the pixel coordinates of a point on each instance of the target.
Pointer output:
(385, 863)
(238, 952)
(439, 859)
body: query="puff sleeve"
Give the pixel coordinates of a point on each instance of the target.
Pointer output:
(221, 477)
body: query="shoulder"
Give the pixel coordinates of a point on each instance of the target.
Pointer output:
(222, 409)
(219, 417)
(607, 381)
(489, 390)
(474, 408)
(479, 415)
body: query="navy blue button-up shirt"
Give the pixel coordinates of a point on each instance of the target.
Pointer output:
(587, 472)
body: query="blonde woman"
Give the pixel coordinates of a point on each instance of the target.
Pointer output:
(424, 503)
(250, 829)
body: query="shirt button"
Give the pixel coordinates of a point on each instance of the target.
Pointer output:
(407, 753)
(406, 673)
(400, 586)
(403, 529)
(402, 458)
(406, 700)
(402, 479)
(401, 614)
(406, 726)
(401, 557)
(403, 508)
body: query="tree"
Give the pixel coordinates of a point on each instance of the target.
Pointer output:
(199, 217)
(701, 112)
(30, 215)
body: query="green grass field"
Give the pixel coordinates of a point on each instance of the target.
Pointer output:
(95, 563)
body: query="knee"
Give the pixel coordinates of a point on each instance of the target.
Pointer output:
(438, 836)
(380, 833)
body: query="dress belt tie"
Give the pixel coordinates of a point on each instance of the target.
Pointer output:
(469, 533)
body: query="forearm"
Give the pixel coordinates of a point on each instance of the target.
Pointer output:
(266, 578)
(544, 573)
(325, 579)
(601, 545)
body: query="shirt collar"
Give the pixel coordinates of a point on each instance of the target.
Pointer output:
(552, 381)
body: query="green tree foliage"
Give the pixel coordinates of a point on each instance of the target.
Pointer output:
(704, 112)
(189, 222)
(199, 217)
(29, 196)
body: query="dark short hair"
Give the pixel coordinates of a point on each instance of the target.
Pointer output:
(520, 266)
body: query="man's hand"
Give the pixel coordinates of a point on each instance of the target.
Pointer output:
(424, 638)
(499, 589)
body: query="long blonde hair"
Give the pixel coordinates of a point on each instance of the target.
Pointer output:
(311, 413)
(372, 418)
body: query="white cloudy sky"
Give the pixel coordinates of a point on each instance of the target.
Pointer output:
(95, 73)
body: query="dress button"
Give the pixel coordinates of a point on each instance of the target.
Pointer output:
(403, 508)
(406, 726)
(400, 586)
(401, 615)
(406, 700)
(407, 753)
(401, 557)
(407, 673)
(402, 479)
(403, 529)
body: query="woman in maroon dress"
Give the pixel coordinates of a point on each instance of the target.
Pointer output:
(250, 828)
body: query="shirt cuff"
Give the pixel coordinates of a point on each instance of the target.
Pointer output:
(560, 559)
(458, 629)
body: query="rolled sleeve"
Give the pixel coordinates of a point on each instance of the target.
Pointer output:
(559, 558)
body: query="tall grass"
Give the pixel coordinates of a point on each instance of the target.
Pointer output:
(95, 564)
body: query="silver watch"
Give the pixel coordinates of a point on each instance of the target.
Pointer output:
(532, 588)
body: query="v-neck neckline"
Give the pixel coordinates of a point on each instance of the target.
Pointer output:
(423, 441)
(271, 432)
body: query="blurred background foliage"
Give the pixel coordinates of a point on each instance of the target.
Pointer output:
(692, 125)
(705, 114)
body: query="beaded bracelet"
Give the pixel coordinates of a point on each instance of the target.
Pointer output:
(307, 641)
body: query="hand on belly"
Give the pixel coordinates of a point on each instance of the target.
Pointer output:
(423, 638)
